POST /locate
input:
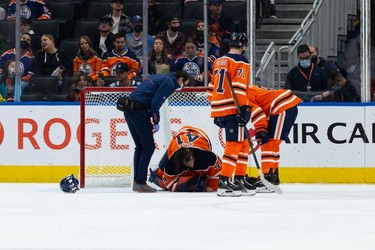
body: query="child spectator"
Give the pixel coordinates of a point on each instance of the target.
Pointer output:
(80, 81)
(7, 86)
(192, 63)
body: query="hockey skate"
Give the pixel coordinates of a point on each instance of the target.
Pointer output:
(227, 188)
(247, 188)
(260, 187)
(273, 176)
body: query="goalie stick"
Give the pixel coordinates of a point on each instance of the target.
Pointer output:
(268, 184)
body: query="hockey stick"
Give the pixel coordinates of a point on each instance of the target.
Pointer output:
(268, 184)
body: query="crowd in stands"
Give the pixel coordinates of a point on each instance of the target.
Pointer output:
(113, 48)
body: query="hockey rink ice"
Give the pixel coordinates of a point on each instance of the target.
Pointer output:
(306, 216)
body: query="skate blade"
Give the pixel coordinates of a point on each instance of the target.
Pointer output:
(264, 190)
(248, 192)
(228, 193)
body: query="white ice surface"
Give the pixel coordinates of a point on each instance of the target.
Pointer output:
(316, 217)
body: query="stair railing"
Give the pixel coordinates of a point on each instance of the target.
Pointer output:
(266, 70)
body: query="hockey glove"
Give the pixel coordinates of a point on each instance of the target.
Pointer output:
(219, 122)
(262, 137)
(244, 117)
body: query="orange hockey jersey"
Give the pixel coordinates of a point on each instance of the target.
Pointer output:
(91, 67)
(266, 103)
(207, 165)
(219, 92)
(111, 59)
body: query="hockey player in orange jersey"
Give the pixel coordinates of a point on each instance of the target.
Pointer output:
(273, 115)
(189, 165)
(224, 111)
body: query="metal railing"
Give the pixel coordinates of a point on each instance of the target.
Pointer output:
(324, 26)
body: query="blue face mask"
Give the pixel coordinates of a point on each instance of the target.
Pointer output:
(305, 63)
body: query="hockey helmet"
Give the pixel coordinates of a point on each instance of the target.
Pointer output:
(238, 39)
(69, 184)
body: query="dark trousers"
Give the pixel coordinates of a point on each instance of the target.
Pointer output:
(140, 129)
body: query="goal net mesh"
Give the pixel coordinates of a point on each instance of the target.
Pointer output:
(106, 144)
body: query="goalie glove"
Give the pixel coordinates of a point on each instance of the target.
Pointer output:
(262, 137)
(244, 117)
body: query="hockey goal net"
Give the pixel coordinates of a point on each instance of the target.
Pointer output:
(106, 152)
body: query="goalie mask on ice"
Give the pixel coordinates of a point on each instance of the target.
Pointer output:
(69, 184)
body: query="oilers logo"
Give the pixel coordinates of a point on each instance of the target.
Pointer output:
(192, 69)
(25, 11)
(85, 68)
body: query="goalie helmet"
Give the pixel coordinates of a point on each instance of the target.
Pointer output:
(238, 39)
(69, 184)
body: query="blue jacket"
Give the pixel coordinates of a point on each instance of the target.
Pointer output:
(153, 91)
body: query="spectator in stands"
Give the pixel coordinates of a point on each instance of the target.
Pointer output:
(265, 9)
(80, 81)
(7, 86)
(221, 23)
(35, 38)
(87, 59)
(119, 54)
(159, 62)
(343, 88)
(306, 77)
(134, 40)
(50, 60)
(121, 73)
(103, 41)
(29, 9)
(192, 63)
(173, 38)
(156, 20)
(328, 67)
(121, 22)
(2, 13)
(27, 59)
(213, 42)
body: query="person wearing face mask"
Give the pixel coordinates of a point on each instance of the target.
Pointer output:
(306, 76)
(173, 38)
(142, 113)
(213, 42)
(7, 86)
(27, 59)
(328, 67)
(134, 40)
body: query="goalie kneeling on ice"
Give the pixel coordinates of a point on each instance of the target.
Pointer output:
(69, 184)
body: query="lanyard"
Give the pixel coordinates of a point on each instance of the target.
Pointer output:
(305, 76)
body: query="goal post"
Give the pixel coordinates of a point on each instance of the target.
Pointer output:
(106, 146)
